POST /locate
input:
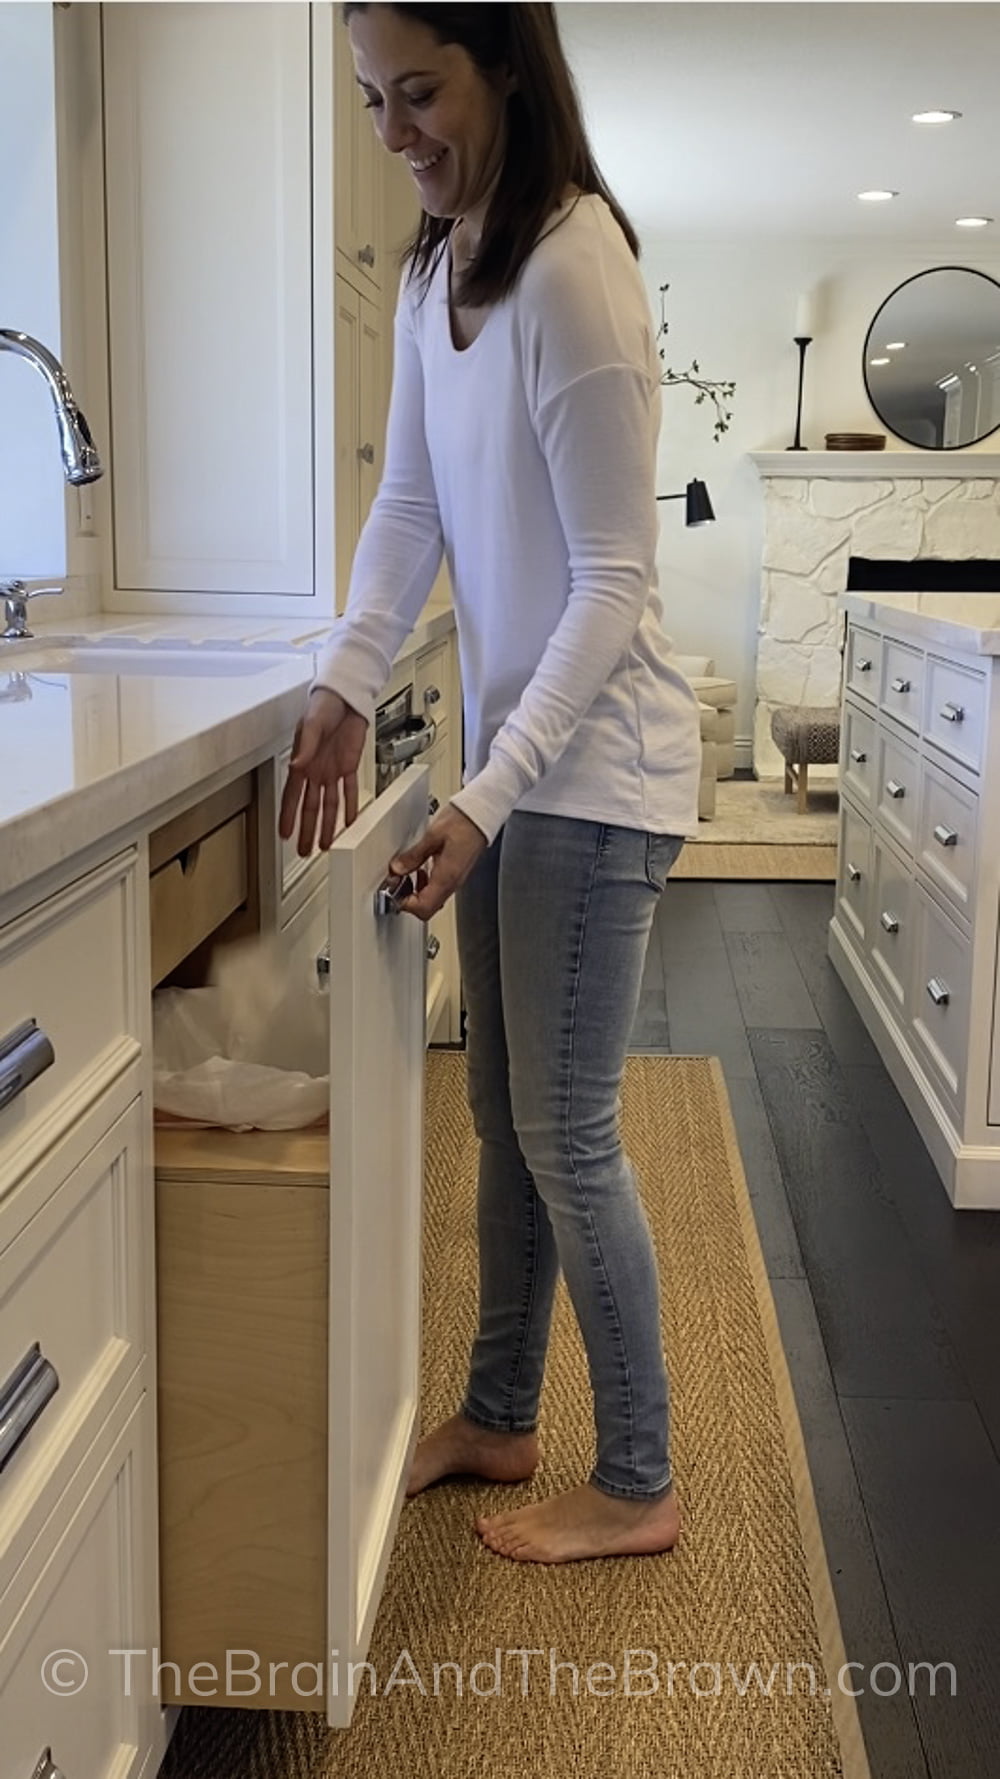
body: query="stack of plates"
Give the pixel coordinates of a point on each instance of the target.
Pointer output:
(855, 441)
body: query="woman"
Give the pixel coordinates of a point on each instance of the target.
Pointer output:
(522, 441)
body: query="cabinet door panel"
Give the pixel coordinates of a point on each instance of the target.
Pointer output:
(347, 484)
(210, 294)
(377, 989)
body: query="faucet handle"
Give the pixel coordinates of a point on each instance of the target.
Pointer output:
(18, 590)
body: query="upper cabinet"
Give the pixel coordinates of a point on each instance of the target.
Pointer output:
(243, 190)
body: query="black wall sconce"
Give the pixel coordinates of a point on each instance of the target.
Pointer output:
(698, 507)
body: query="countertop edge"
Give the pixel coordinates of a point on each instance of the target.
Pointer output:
(951, 632)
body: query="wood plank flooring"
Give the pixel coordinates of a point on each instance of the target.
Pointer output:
(889, 1306)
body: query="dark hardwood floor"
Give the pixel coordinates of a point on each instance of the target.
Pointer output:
(888, 1302)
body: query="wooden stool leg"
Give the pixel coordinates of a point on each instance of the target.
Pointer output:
(803, 786)
(788, 779)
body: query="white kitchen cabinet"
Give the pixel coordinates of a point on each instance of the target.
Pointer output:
(289, 1315)
(359, 211)
(360, 421)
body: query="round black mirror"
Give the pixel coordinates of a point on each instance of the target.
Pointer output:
(932, 359)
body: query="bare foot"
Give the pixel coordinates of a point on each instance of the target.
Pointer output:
(585, 1522)
(459, 1448)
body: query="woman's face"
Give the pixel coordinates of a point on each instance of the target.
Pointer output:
(431, 104)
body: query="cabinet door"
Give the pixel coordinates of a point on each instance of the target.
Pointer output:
(371, 408)
(357, 181)
(377, 996)
(208, 181)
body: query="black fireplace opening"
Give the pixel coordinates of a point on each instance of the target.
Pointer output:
(922, 574)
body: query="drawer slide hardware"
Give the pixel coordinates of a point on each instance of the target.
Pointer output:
(889, 921)
(24, 1054)
(945, 836)
(32, 1384)
(952, 713)
(939, 992)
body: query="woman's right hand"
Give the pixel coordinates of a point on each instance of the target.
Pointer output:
(326, 752)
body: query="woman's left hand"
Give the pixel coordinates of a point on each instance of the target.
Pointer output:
(454, 843)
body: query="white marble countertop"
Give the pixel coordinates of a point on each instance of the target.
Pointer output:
(83, 754)
(969, 621)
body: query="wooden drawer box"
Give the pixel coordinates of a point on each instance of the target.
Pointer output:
(199, 874)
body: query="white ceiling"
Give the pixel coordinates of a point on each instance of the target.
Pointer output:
(727, 121)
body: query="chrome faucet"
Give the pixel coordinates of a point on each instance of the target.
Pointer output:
(81, 462)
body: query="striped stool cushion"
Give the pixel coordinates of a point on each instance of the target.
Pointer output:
(808, 734)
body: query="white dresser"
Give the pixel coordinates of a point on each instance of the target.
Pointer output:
(915, 925)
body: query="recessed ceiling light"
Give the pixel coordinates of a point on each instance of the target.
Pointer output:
(972, 222)
(880, 361)
(876, 197)
(935, 117)
(894, 345)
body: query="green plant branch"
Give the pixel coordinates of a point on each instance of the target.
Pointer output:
(719, 393)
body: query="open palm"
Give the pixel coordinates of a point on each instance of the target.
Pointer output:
(326, 753)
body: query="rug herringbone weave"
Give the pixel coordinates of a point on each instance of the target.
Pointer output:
(746, 1594)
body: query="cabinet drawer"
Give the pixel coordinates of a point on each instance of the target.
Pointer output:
(858, 764)
(864, 662)
(897, 785)
(946, 836)
(902, 683)
(956, 711)
(89, 1593)
(72, 1285)
(70, 965)
(941, 987)
(196, 892)
(853, 869)
(889, 924)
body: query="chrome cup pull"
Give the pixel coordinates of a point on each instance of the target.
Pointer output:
(938, 991)
(853, 873)
(894, 788)
(394, 890)
(952, 713)
(45, 1767)
(858, 755)
(889, 921)
(945, 836)
(864, 665)
(24, 1054)
(23, 1395)
(901, 685)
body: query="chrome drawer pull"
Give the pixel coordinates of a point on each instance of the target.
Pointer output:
(952, 713)
(853, 873)
(432, 695)
(323, 966)
(432, 806)
(433, 947)
(366, 255)
(389, 894)
(24, 1054)
(864, 666)
(858, 755)
(938, 992)
(889, 921)
(945, 836)
(25, 1393)
(901, 685)
(894, 788)
(366, 453)
(45, 1767)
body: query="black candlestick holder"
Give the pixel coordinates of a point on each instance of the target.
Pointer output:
(801, 341)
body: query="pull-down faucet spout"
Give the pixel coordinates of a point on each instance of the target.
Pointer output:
(79, 453)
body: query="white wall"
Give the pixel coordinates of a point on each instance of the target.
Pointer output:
(32, 486)
(733, 309)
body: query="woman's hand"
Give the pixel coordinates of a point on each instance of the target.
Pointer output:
(326, 753)
(453, 843)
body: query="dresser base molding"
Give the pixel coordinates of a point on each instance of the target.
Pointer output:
(969, 1172)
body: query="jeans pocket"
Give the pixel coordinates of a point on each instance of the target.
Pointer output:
(661, 854)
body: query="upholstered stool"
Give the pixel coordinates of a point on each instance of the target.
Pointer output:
(806, 735)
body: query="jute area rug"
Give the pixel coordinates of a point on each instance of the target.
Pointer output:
(743, 1607)
(757, 833)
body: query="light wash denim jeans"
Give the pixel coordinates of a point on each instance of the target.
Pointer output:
(553, 925)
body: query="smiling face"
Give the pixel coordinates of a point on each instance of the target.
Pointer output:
(431, 104)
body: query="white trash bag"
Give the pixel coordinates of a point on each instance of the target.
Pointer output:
(250, 1051)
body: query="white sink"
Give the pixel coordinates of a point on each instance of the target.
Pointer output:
(151, 661)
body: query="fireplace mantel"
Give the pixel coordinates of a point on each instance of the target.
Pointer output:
(877, 466)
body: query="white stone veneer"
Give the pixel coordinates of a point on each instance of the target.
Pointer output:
(812, 524)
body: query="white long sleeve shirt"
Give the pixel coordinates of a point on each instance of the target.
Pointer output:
(529, 458)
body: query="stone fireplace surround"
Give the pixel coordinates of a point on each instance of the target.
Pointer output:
(822, 507)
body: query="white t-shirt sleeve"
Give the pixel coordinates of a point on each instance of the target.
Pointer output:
(592, 393)
(400, 547)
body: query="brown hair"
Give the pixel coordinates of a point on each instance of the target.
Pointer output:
(546, 151)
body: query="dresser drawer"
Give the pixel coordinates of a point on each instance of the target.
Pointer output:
(71, 966)
(195, 892)
(947, 836)
(72, 1291)
(902, 683)
(897, 786)
(858, 763)
(87, 1592)
(955, 718)
(853, 871)
(890, 923)
(864, 662)
(941, 990)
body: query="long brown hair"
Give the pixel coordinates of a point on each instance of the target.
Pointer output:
(546, 150)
